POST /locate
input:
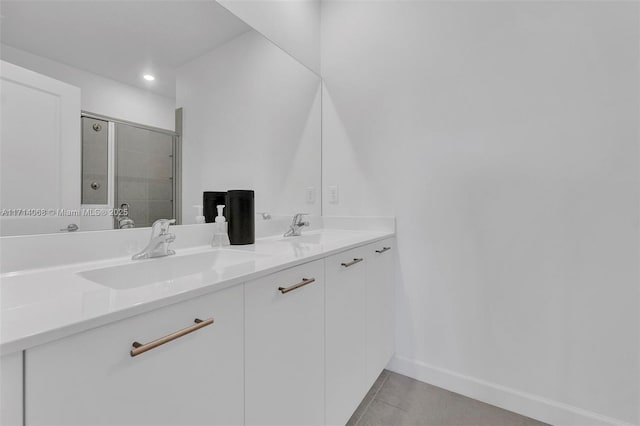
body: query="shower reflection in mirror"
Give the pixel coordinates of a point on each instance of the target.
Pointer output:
(128, 169)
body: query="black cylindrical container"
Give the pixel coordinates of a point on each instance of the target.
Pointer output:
(241, 210)
(210, 199)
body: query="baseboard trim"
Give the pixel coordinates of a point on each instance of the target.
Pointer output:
(534, 406)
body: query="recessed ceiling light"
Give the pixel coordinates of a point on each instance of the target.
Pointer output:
(148, 77)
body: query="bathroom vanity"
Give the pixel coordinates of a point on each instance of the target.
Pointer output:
(284, 331)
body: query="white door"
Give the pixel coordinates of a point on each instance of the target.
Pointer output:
(39, 152)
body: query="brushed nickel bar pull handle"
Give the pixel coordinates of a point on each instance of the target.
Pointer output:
(357, 260)
(302, 283)
(383, 249)
(139, 348)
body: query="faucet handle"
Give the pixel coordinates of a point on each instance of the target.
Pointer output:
(297, 220)
(298, 216)
(162, 225)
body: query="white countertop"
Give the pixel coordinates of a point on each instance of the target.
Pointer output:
(45, 304)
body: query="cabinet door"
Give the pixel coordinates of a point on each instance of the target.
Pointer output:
(345, 335)
(284, 364)
(380, 306)
(11, 389)
(91, 378)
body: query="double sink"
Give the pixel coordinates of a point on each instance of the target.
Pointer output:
(208, 264)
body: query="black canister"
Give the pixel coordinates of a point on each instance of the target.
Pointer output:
(241, 210)
(211, 199)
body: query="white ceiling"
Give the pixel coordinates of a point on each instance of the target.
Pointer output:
(121, 40)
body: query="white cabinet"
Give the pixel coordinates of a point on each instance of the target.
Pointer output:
(380, 301)
(359, 318)
(301, 346)
(345, 314)
(11, 389)
(91, 378)
(284, 330)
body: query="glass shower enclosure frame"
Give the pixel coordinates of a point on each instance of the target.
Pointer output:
(145, 171)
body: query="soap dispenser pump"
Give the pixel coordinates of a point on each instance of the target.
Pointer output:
(199, 215)
(220, 233)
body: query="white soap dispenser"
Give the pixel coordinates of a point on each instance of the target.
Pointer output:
(199, 216)
(220, 233)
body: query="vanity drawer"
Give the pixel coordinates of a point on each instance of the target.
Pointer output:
(284, 361)
(192, 377)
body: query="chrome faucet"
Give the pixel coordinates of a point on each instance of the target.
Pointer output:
(160, 239)
(295, 229)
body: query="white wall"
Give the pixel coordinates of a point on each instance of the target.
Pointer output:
(101, 95)
(251, 121)
(293, 25)
(504, 137)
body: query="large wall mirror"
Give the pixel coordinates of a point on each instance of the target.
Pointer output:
(147, 104)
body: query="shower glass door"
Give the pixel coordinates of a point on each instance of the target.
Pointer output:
(144, 177)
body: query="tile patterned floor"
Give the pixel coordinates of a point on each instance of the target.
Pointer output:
(396, 400)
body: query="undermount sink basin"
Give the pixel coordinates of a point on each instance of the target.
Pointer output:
(324, 237)
(308, 239)
(144, 272)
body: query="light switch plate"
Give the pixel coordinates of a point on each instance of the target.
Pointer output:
(333, 194)
(310, 195)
